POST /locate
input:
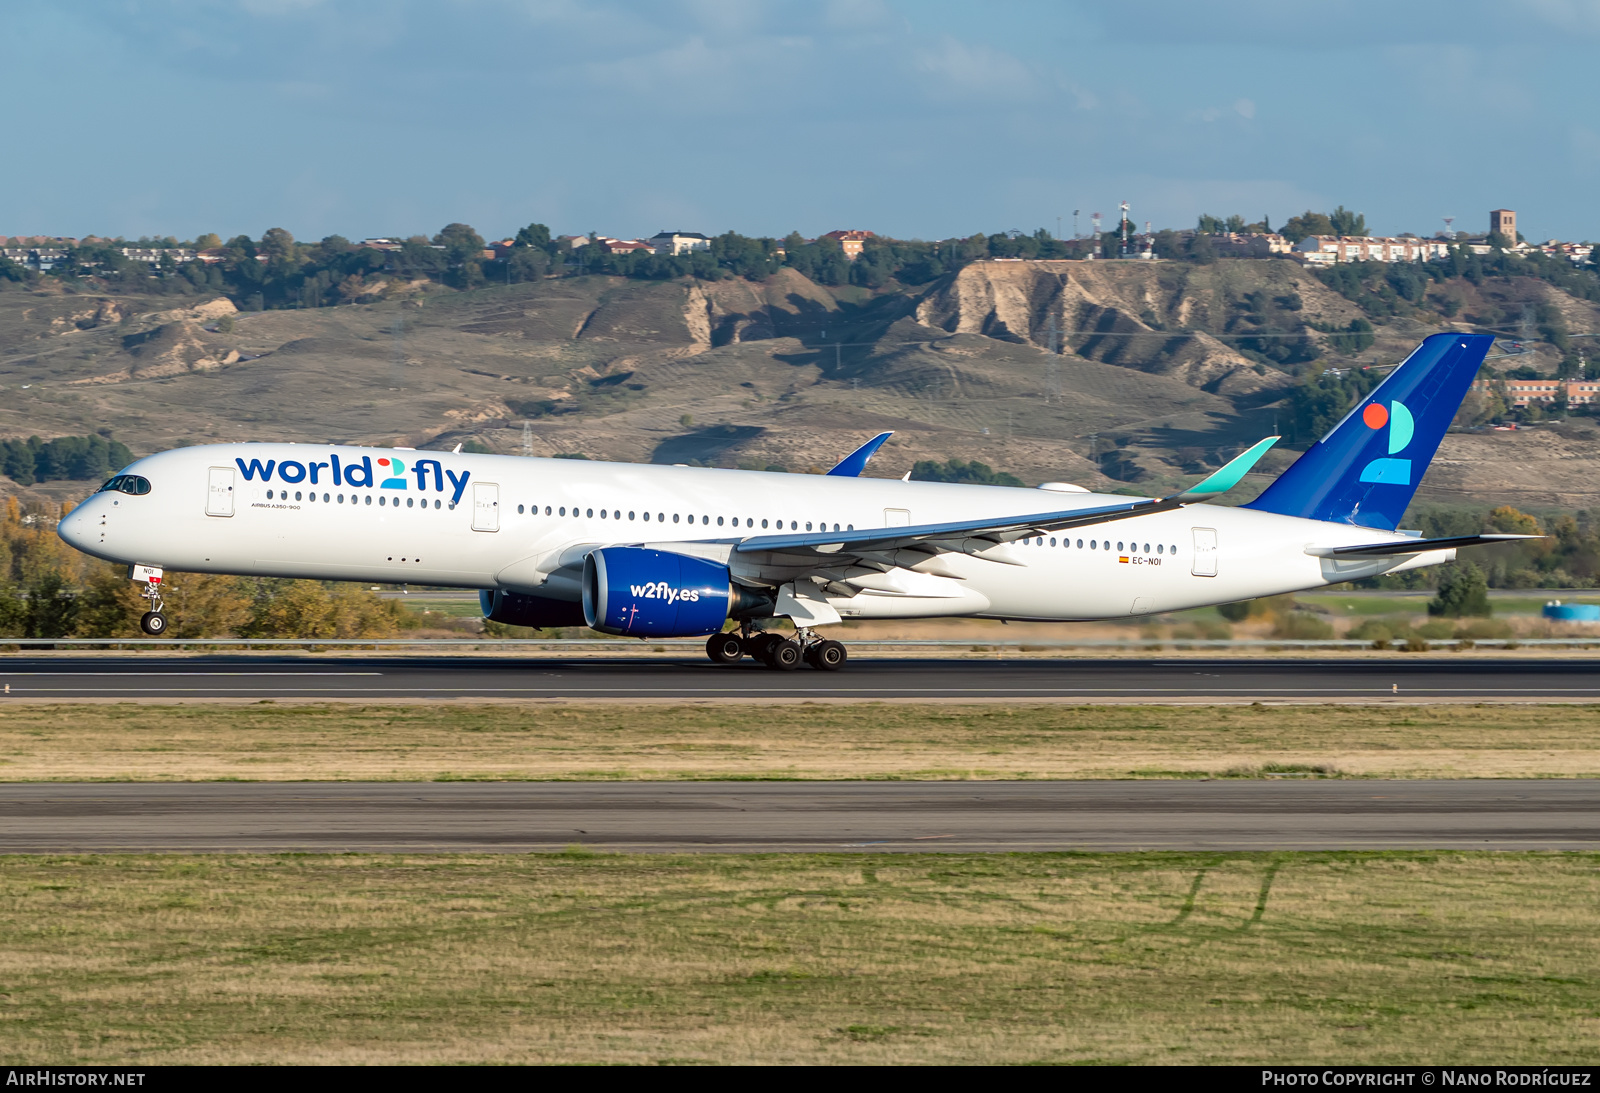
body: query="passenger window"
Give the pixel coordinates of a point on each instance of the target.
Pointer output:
(381, 499)
(630, 514)
(1052, 540)
(1174, 548)
(546, 509)
(661, 517)
(719, 521)
(563, 510)
(705, 519)
(341, 499)
(1093, 545)
(647, 517)
(369, 498)
(763, 523)
(1080, 544)
(1147, 548)
(1119, 546)
(602, 514)
(794, 525)
(1161, 548)
(849, 527)
(674, 518)
(591, 514)
(297, 495)
(808, 525)
(519, 509)
(324, 499)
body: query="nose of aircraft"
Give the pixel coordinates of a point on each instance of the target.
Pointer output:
(76, 526)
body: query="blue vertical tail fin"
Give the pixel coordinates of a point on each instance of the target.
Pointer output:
(1367, 468)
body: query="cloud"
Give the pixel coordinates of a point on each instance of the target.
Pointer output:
(956, 69)
(1244, 108)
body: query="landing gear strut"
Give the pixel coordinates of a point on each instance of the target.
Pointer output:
(152, 622)
(776, 652)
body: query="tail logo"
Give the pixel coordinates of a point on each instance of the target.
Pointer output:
(1389, 470)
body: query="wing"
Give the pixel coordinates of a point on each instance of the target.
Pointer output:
(1413, 546)
(977, 537)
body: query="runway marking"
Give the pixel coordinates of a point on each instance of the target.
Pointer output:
(904, 689)
(208, 675)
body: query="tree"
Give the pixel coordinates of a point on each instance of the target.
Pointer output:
(1463, 592)
(278, 245)
(1307, 223)
(1347, 223)
(534, 235)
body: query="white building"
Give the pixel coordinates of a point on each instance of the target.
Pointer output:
(676, 243)
(1325, 250)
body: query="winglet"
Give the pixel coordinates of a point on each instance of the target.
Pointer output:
(853, 464)
(1228, 477)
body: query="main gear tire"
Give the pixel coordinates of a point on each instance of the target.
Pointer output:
(827, 656)
(784, 655)
(724, 648)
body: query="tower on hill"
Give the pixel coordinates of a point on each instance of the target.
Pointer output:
(1504, 221)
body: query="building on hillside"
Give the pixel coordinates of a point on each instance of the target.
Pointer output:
(1526, 392)
(152, 256)
(851, 241)
(1250, 245)
(381, 244)
(1326, 250)
(676, 243)
(625, 246)
(1503, 221)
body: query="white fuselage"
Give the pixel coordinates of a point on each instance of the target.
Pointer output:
(487, 522)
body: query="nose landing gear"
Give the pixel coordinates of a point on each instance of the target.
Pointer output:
(152, 622)
(778, 653)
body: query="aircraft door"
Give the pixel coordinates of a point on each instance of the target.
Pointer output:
(1205, 552)
(896, 518)
(485, 506)
(219, 491)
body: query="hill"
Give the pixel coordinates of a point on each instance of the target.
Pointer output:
(1163, 369)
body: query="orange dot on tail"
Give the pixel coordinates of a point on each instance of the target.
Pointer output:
(1375, 416)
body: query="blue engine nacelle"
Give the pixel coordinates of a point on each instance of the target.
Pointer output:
(640, 592)
(520, 609)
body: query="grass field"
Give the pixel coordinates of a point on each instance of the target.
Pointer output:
(1146, 958)
(266, 742)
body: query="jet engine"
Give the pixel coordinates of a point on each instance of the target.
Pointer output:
(519, 609)
(639, 592)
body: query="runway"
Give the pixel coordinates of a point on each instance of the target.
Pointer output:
(800, 816)
(1402, 676)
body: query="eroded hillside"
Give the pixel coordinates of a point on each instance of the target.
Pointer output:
(1151, 380)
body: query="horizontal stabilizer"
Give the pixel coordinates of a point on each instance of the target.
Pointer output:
(1413, 546)
(853, 464)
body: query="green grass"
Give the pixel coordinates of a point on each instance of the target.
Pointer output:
(577, 957)
(604, 742)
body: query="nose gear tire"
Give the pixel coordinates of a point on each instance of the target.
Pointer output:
(153, 623)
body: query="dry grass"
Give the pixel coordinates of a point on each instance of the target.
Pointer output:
(1148, 958)
(605, 742)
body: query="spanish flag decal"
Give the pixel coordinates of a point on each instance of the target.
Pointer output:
(1123, 559)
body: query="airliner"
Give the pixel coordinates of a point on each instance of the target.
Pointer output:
(653, 551)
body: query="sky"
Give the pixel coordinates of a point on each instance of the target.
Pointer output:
(911, 118)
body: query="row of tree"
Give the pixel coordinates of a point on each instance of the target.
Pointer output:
(94, 458)
(277, 271)
(49, 590)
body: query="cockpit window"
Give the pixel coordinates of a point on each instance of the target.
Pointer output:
(127, 483)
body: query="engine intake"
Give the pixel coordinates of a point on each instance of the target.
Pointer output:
(639, 592)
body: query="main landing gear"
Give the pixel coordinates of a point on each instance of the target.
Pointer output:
(777, 652)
